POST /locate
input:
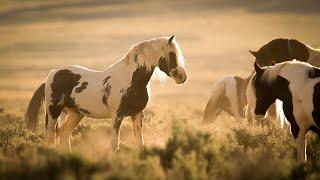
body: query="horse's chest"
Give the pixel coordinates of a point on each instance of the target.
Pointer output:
(133, 101)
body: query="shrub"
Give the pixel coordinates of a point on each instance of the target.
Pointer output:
(247, 152)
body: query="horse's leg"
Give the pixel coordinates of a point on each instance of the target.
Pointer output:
(234, 103)
(248, 114)
(214, 104)
(115, 132)
(301, 147)
(137, 122)
(73, 118)
(213, 109)
(61, 120)
(52, 115)
(209, 111)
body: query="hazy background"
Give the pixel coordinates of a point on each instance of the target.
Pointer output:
(215, 36)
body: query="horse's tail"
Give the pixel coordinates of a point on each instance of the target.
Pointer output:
(211, 110)
(32, 113)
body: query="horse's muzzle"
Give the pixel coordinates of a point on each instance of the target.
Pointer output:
(180, 77)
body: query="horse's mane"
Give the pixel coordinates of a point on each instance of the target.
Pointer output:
(138, 54)
(141, 52)
(271, 72)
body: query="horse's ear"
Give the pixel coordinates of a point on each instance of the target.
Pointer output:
(254, 53)
(273, 63)
(257, 68)
(170, 39)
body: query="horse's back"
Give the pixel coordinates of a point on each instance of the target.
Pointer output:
(79, 88)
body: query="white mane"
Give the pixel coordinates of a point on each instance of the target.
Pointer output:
(148, 52)
(272, 72)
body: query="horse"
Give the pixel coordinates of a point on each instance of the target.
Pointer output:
(122, 90)
(297, 85)
(280, 50)
(228, 96)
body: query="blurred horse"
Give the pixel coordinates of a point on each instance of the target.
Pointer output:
(297, 85)
(228, 96)
(73, 92)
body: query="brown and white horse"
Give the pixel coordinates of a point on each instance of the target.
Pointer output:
(297, 85)
(73, 92)
(228, 95)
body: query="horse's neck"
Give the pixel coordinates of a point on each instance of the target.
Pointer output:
(141, 77)
(138, 74)
(247, 79)
(138, 65)
(314, 56)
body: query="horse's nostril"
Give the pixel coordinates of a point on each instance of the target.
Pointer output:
(180, 76)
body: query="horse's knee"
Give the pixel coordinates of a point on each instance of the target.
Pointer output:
(50, 131)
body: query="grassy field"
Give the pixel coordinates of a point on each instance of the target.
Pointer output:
(38, 36)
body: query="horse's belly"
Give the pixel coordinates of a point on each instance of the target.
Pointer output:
(98, 115)
(91, 105)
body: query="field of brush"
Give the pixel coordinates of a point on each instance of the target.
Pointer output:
(38, 36)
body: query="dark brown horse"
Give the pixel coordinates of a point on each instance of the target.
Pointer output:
(280, 50)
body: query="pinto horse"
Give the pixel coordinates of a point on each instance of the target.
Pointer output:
(280, 50)
(228, 96)
(73, 92)
(297, 85)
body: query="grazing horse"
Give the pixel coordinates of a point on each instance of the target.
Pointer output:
(297, 85)
(72, 92)
(228, 95)
(280, 50)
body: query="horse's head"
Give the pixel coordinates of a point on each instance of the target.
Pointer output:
(280, 50)
(171, 62)
(264, 88)
(263, 57)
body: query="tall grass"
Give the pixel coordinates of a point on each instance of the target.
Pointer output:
(247, 152)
